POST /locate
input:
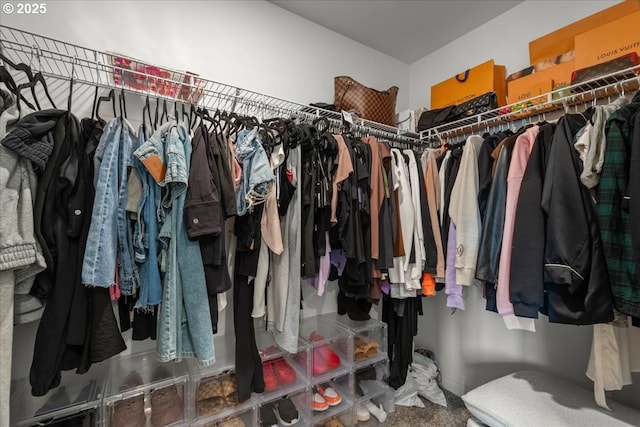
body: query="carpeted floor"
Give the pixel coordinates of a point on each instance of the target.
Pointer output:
(454, 415)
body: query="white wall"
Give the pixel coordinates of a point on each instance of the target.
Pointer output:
(473, 346)
(504, 39)
(250, 44)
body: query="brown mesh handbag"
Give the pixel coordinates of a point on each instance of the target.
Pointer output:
(377, 106)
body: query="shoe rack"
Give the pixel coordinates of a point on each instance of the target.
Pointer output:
(140, 391)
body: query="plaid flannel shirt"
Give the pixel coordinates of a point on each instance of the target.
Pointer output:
(612, 208)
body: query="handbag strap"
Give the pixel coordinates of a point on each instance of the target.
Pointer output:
(466, 76)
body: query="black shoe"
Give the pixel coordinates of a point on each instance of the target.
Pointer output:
(286, 412)
(60, 399)
(349, 306)
(268, 416)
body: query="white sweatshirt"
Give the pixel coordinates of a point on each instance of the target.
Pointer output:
(465, 213)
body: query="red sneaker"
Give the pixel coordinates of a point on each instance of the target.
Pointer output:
(324, 358)
(284, 372)
(270, 380)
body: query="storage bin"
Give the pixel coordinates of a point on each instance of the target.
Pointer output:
(283, 372)
(371, 380)
(383, 400)
(343, 385)
(243, 418)
(369, 337)
(331, 349)
(76, 394)
(212, 389)
(300, 401)
(345, 419)
(142, 388)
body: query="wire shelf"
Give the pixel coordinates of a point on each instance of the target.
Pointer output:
(61, 60)
(562, 98)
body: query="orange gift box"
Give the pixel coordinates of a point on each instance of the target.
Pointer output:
(540, 82)
(618, 38)
(563, 40)
(476, 81)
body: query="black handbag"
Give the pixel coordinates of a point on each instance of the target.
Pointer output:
(433, 118)
(480, 104)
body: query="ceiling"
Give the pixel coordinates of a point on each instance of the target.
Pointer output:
(404, 29)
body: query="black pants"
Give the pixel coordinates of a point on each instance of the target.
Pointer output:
(248, 363)
(401, 317)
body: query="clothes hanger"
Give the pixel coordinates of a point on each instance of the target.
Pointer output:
(146, 108)
(30, 77)
(164, 117)
(124, 103)
(110, 97)
(7, 79)
(70, 99)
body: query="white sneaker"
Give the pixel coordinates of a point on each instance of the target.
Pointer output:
(362, 414)
(318, 403)
(377, 412)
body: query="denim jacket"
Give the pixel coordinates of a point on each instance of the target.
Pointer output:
(184, 328)
(109, 243)
(257, 175)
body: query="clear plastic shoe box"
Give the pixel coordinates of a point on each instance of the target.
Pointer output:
(77, 396)
(212, 397)
(143, 392)
(369, 337)
(283, 372)
(332, 349)
(343, 385)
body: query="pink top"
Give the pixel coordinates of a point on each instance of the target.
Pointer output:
(519, 159)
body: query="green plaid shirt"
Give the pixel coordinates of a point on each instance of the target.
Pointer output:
(615, 227)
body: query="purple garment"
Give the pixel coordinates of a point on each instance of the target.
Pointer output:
(339, 260)
(385, 287)
(452, 289)
(320, 280)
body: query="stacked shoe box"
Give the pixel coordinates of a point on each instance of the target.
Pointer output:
(76, 401)
(285, 401)
(373, 398)
(142, 391)
(332, 377)
(212, 397)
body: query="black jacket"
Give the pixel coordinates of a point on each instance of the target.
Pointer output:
(526, 290)
(493, 223)
(575, 274)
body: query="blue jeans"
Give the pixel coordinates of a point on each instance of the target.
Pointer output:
(109, 243)
(184, 325)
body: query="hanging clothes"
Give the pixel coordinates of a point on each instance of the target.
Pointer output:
(167, 158)
(576, 281)
(493, 223)
(465, 213)
(617, 207)
(519, 158)
(526, 276)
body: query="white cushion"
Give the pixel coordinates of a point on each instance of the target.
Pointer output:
(528, 398)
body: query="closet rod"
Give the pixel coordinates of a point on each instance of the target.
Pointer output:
(58, 59)
(579, 94)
